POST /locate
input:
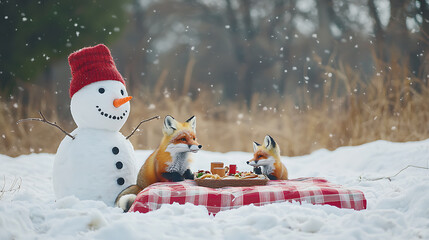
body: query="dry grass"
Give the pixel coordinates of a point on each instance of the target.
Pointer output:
(390, 105)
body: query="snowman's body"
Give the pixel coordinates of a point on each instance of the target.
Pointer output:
(96, 165)
(99, 162)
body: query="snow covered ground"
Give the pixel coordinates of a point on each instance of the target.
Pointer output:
(397, 209)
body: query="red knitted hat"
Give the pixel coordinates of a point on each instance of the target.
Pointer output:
(90, 65)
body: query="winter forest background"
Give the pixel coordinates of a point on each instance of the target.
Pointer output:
(311, 73)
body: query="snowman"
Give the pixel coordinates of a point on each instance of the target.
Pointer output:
(95, 162)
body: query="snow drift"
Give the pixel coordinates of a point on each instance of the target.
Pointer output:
(397, 209)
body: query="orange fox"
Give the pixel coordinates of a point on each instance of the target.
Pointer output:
(168, 163)
(268, 156)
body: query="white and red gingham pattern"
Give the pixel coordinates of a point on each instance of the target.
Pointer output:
(312, 190)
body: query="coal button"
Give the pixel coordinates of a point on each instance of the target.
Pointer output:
(119, 165)
(115, 150)
(120, 181)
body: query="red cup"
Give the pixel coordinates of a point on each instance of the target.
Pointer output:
(232, 169)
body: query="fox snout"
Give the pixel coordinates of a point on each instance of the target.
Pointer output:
(252, 162)
(195, 148)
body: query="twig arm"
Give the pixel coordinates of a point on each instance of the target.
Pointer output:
(43, 119)
(146, 120)
(390, 177)
(15, 186)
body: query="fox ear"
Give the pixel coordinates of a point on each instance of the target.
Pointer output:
(193, 122)
(269, 142)
(170, 125)
(255, 146)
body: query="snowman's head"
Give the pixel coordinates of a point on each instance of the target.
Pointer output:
(101, 105)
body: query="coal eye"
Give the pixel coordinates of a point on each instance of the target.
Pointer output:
(183, 139)
(101, 90)
(122, 92)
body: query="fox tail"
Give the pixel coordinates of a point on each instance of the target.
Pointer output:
(126, 198)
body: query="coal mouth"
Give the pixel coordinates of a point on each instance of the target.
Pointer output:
(110, 116)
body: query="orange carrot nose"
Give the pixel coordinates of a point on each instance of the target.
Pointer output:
(120, 101)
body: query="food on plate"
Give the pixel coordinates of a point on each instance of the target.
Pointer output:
(201, 174)
(250, 175)
(240, 179)
(210, 176)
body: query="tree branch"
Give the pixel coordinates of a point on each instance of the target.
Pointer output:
(247, 19)
(234, 33)
(43, 119)
(378, 29)
(390, 177)
(337, 20)
(232, 20)
(276, 17)
(146, 120)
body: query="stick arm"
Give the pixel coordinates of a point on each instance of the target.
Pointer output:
(146, 120)
(43, 119)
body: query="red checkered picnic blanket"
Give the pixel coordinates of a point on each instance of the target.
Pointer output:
(312, 190)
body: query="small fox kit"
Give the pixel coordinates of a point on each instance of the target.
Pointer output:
(168, 163)
(268, 156)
